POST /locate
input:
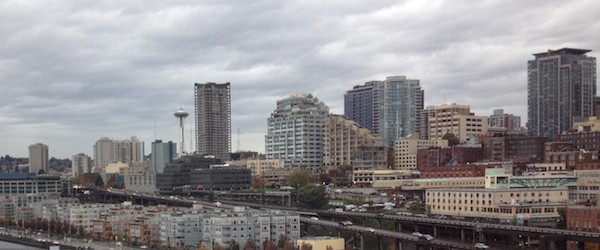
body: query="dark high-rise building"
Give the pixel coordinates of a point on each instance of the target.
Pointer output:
(201, 173)
(358, 104)
(213, 119)
(162, 153)
(389, 108)
(561, 85)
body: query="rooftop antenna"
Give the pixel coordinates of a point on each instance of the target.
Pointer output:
(191, 138)
(238, 138)
(154, 130)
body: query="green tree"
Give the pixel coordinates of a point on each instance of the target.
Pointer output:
(306, 246)
(312, 196)
(211, 196)
(452, 139)
(259, 182)
(233, 245)
(281, 241)
(417, 207)
(299, 178)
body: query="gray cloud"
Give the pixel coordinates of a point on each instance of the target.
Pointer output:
(71, 72)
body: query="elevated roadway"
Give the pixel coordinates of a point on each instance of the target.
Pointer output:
(97, 195)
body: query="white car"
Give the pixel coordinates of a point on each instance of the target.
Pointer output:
(314, 218)
(118, 243)
(417, 234)
(480, 245)
(144, 247)
(427, 237)
(371, 230)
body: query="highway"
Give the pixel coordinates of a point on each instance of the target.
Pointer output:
(589, 236)
(486, 227)
(406, 237)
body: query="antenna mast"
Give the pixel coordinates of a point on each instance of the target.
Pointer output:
(238, 138)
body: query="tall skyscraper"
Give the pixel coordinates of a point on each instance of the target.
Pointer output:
(390, 108)
(561, 85)
(38, 158)
(81, 164)
(213, 119)
(296, 131)
(162, 153)
(103, 152)
(137, 150)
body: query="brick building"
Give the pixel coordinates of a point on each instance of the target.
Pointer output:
(454, 171)
(583, 218)
(452, 156)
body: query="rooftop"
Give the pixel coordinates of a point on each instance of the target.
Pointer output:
(564, 50)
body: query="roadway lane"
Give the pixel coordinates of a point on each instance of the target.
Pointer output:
(389, 234)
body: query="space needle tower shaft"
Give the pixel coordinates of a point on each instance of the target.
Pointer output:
(181, 115)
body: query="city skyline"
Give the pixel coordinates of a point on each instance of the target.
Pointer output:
(73, 74)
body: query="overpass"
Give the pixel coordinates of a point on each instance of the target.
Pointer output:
(403, 241)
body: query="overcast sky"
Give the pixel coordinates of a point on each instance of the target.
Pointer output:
(74, 71)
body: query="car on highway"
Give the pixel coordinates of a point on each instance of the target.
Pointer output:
(346, 223)
(481, 245)
(314, 218)
(426, 237)
(371, 230)
(417, 234)
(144, 247)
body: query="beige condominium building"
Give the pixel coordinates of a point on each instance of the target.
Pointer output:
(343, 138)
(498, 200)
(406, 150)
(38, 158)
(456, 119)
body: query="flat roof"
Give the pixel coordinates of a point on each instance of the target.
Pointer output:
(319, 238)
(499, 189)
(568, 50)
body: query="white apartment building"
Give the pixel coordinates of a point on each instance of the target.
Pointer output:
(406, 149)
(83, 214)
(243, 225)
(179, 229)
(54, 209)
(296, 131)
(455, 119)
(117, 220)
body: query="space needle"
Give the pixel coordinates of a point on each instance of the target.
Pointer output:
(181, 115)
